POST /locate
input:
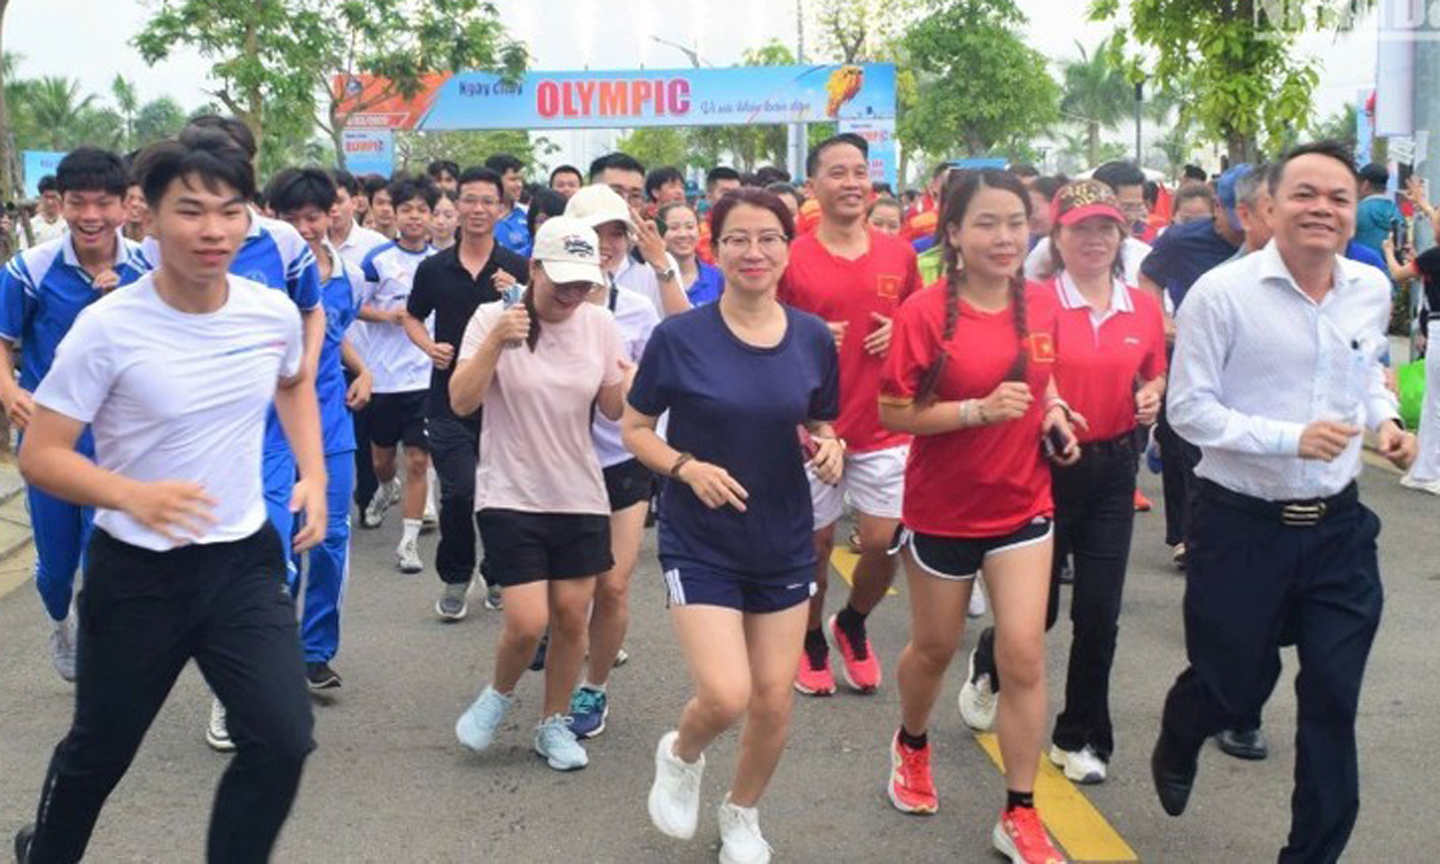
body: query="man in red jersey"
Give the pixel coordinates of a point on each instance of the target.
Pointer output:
(854, 278)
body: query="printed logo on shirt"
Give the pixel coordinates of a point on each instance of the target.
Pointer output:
(278, 344)
(1132, 340)
(888, 286)
(1042, 348)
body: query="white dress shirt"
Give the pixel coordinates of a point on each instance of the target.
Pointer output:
(1256, 361)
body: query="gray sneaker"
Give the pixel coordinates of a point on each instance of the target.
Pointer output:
(555, 741)
(493, 600)
(452, 605)
(62, 646)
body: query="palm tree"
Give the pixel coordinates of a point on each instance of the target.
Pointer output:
(127, 100)
(56, 108)
(1097, 95)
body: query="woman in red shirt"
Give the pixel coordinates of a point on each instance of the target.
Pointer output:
(1110, 337)
(970, 376)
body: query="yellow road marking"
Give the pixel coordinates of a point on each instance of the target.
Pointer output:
(844, 561)
(1073, 821)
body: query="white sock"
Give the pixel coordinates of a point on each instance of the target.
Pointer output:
(600, 687)
(412, 531)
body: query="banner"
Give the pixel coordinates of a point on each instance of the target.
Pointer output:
(630, 99)
(369, 151)
(38, 163)
(880, 135)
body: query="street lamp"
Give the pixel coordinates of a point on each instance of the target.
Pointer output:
(692, 54)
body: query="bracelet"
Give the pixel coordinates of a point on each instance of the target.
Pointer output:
(680, 463)
(1057, 402)
(967, 413)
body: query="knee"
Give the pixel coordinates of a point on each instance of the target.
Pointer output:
(612, 594)
(525, 627)
(770, 707)
(1022, 665)
(933, 654)
(569, 622)
(724, 706)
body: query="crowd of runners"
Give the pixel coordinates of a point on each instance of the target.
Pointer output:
(215, 380)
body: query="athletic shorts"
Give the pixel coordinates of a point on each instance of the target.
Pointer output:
(690, 584)
(627, 483)
(873, 483)
(394, 418)
(521, 547)
(960, 558)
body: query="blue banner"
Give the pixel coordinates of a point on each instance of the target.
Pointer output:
(369, 151)
(37, 164)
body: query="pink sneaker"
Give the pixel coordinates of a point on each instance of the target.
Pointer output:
(814, 681)
(861, 666)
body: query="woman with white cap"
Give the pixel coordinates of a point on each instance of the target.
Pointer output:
(538, 367)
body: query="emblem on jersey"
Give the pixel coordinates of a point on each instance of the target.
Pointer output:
(1042, 348)
(888, 286)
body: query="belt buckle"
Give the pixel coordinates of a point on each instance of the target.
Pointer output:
(1303, 515)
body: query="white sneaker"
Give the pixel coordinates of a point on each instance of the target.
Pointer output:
(978, 700)
(431, 518)
(1409, 482)
(62, 646)
(217, 733)
(384, 498)
(675, 795)
(1082, 766)
(740, 838)
(408, 556)
(978, 606)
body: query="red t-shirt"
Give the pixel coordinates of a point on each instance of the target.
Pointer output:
(702, 243)
(983, 481)
(844, 289)
(1096, 368)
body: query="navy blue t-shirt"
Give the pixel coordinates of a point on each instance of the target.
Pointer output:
(1183, 254)
(737, 406)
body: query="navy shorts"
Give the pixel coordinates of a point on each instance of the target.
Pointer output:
(960, 558)
(688, 583)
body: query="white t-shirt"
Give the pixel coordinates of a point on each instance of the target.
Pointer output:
(44, 231)
(396, 363)
(637, 319)
(641, 279)
(177, 396)
(1037, 265)
(361, 241)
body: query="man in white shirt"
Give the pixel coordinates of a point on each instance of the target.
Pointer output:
(1276, 368)
(175, 375)
(47, 224)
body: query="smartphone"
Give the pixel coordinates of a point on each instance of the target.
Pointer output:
(1055, 442)
(808, 444)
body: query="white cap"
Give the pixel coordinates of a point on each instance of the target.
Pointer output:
(597, 204)
(569, 250)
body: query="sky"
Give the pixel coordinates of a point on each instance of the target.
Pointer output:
(93, 43)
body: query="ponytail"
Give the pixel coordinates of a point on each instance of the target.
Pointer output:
(931, 380)
(528, 299)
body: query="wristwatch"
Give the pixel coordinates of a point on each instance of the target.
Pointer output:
(665, 275)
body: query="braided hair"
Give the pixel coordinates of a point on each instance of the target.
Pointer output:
(960, 189)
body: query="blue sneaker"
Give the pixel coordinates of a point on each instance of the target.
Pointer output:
(1152, 455)
(588, 711)
(476, 727)
(557, 743)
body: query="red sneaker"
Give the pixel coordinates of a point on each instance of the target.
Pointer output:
(911, 789)
(813, 681)
(861, 666)
(1142, 504)
(1021, 837)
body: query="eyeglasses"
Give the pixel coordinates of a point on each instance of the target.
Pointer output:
(473, 201)
(576, 289)
(770, 243)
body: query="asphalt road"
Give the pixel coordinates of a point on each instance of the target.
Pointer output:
(390, 783)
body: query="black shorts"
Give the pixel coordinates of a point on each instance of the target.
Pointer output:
(521, 547)
(627, 484)
(394, 418)
(960, 558)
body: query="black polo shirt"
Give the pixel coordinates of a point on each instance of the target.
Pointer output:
(443, 286)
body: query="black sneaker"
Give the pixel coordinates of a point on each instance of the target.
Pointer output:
(538, 662)
(23, 838)
(320, 676)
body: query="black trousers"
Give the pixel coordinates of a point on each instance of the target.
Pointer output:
(1253, 584)
(1094, 519)
(143, 615)
(365, 482)
(454, 450)
(1178, 459)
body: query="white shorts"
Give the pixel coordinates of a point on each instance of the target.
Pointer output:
(872, 482)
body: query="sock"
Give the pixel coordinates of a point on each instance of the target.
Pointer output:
(816, 648)
(853, 625)
(589, 686)
(914, 742)
(1015, 799)
(412, 531)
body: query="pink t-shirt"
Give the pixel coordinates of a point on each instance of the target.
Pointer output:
(536, 451)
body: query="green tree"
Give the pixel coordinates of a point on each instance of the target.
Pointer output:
(56, 107)
(127, 102)
(1097, 95)
(657, 146)
(979, 84)
(8, 175)
(414, 150)
(1240, 65)
(860, 31)
(749, 146)
(157, 120)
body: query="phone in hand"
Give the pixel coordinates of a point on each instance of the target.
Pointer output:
(808, 445)
(1056, 442)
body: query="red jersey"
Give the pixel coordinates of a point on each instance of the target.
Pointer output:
(843, 289)
(703, 250)
(983, 481)
(808, 217)
(1096, 366)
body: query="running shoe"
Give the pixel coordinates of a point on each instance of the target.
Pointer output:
(674, 801)
(476, 727)
(429, 520)
(62, 646)
(621, 658)
(1020, 836)
(384, 498)
(861, 666)
(1152, 454)
(23, 838)
(407, 557)
(217, 731)
(1409, 481)
(1142, 504)
(978, 606)
(453, 605)
(1083, 766)
(814, 680)
(589, 710)
(319, 676)
(556, 742)
(978, 697)
(740, 839)
(912, 790)
(493, 601)
(538, 661)
(1178, 556)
